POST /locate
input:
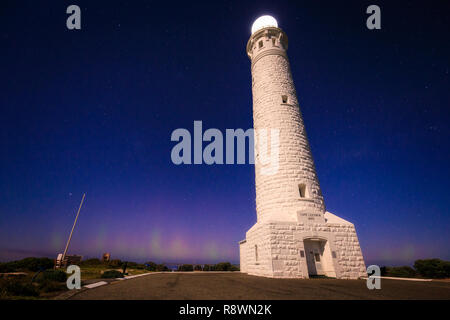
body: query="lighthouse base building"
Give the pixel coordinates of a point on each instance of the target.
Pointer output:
(300, 250)
(294, 236)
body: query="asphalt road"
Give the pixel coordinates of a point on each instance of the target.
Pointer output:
(199, 286)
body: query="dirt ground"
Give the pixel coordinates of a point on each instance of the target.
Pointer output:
(230, 286)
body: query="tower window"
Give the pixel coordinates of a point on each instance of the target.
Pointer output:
(284, 98)
(302, 190)
(302, 253)
(256, 252)
(260, 44)
(333, 253)
(317, 256)
(273, 41)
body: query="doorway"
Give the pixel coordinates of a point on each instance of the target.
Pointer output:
(314, 256)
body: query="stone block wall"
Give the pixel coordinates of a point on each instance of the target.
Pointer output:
(255, 252)
(275, 106)
(289, 203)
(279, 245)
(350, 260)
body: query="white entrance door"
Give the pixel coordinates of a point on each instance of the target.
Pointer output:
(314, 254)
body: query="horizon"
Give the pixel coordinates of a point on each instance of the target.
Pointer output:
(22, 254)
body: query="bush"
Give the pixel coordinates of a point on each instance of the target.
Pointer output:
(14, 287)
(151, 266)
(6, 267)
(433, 268)
(115, 263)
(109, 274)
(131, 264)
(30, 264)
(208, 267)
(235, 268)
(91, 262)
(186, 267)
(51, 286)
(404, 271)
(54, 275)
(197, 267)
(35, 264)
(162, 267)
(223, 266)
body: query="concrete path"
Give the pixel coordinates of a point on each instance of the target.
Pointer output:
(199, 285)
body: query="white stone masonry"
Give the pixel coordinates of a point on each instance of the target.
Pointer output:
(294, 237)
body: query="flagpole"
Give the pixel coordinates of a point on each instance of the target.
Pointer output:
(73, 227)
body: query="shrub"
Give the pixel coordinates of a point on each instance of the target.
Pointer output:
(115, 263)
(54, 275)
(14, 287)
(161, 267)
(31, 264)
(433, 268)
(6, 267)
(109, 274)
(197, 267)
(91, 262)
(223, 266)
(51, 286)
(186, 267)
(404, 271)
(208, 267)
(151, 266)
(131, 264)
(35, 264)
(235, 268)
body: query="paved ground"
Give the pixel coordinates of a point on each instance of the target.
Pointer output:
(197, 286)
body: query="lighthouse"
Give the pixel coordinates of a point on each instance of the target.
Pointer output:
(294, 236)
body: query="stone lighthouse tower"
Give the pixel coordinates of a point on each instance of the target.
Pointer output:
(294, 237)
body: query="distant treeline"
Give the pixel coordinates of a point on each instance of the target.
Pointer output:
(36, 264)
(427, 268)
(116, 263)
(152, 266)
(222, 266)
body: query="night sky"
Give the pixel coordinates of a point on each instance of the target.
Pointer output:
(93, 111)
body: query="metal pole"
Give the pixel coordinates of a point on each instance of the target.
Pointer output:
(70, 236)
